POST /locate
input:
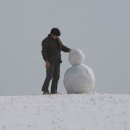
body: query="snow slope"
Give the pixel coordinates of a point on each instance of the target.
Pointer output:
(65, 112)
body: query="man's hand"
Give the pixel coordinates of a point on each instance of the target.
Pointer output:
(47, 65)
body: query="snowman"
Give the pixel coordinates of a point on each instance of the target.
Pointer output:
(79, 78)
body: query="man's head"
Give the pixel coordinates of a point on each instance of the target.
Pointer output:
(55, 33)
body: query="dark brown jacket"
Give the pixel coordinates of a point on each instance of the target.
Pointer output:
(51, 49)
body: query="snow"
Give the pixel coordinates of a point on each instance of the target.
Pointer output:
(65, 112)
(76, 57)
(79, 78)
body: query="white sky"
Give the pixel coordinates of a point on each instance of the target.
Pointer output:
(100, 28)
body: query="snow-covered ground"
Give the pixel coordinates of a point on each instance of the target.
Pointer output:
(65, 112)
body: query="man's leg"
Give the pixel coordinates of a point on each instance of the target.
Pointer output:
(49, 73)
(56, 76)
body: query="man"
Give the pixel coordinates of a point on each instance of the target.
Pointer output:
(51, 52)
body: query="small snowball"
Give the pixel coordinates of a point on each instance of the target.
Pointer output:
(76, 57)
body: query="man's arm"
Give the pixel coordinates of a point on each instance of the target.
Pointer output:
(63, 47)
(44, 51)
(44, 54)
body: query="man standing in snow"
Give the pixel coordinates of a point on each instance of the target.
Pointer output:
(51, 52)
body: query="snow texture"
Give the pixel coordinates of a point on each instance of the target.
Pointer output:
(76, 57)
(65, 112)
(79, 78)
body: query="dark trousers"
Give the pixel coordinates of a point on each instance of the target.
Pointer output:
(52, 73)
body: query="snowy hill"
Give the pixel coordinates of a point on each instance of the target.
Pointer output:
(65, 112)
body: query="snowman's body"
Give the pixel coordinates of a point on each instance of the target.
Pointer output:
(79, 78)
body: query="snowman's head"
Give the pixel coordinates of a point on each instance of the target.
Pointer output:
(76, 57)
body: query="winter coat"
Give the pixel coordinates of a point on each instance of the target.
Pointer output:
(51, 49)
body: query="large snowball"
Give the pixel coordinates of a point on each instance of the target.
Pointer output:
(76, 57)
(79, 79)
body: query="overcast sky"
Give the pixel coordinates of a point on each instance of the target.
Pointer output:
(101, 28)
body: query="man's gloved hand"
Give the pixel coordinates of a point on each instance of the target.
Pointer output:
(47, 65)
